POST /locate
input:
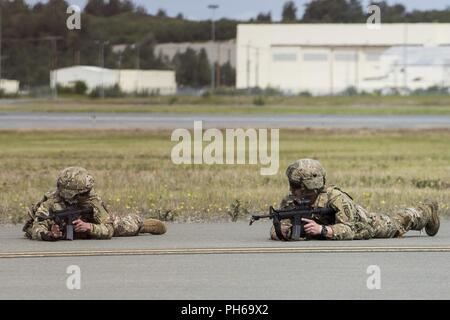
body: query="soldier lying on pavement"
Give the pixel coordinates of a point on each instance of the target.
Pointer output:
(307, 180)
(75, 190)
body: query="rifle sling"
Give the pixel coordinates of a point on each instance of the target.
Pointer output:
(277, 226)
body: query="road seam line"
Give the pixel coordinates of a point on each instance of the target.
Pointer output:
(234, 250)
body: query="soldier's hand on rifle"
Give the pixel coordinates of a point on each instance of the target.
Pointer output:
(285, 230)
(81, 226)
(56, 232)
(52, 235)
(312, 227)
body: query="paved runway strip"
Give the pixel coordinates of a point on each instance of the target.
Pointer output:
(224, 261)
(41, 120)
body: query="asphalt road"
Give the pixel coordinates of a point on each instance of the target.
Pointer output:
(168, 267)
(36, 120)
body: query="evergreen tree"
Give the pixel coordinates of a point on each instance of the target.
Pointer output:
(203, 69)
(95, 7)
(140, 10)
(289, 12)
(109, 8)
(185, 65)
(264, 17)
(394, 13)
(227, 75)
(161, 13)
(334, 11)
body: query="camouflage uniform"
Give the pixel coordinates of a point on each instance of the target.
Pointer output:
(351, 221)
(74, 181)
(104, 225)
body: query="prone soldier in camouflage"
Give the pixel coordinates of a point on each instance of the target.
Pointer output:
(307, 180)
(75, 190)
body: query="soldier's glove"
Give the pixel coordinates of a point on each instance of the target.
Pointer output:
(49, 236)
(52, 235)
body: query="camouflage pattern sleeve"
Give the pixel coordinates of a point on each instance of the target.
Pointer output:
(40, 225)
(288, 202)
(102, 227)
(346, 216)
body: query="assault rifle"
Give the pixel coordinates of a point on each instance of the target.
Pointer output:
(64, 218)
(303, 210)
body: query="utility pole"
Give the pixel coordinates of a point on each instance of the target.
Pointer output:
(331, 71)
(405, 57)
(137, 46)
(138, 55)
(257, 67)
(54, 64)
(77, 57)
(357, 69)
(218, 66)
(101, 62)
(138, 66)
(120, 66)
(213, 7)
(248, 65)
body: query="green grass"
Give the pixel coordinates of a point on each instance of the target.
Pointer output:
(383, 170)
(358, 105)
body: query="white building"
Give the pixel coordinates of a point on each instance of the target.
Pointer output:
(218, 51)
(329, 58)
(415, 67)
(130, 81)
(161, 81)
(9, 86)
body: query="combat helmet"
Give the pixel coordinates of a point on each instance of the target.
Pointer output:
(73, 181)
(307, 173)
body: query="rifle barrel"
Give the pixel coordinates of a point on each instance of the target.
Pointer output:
(261, 216)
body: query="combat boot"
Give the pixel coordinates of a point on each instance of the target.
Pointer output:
(153, 226)
(433, 224)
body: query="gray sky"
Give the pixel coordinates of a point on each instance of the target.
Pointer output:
(245, 9)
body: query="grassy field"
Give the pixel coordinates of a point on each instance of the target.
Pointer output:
(358, 105)
(383, 170)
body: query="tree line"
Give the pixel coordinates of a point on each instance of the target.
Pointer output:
(352, 11)
(35, 38)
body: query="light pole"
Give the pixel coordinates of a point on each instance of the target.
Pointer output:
(213, 7)
(54, 65)
(101, 52)
(137, 46)
(101, 62)
(138, 55)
